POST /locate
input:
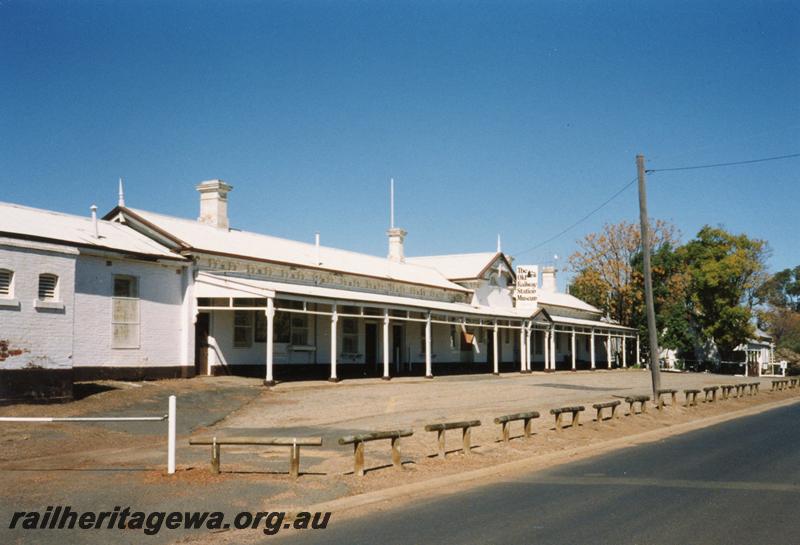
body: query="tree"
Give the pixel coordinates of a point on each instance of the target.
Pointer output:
(604, 266)
(726, 271)
(782, 290)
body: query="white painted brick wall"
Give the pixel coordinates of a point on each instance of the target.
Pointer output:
(43, 335)
(161, 291)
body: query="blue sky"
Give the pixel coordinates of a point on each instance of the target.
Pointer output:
(514, 118)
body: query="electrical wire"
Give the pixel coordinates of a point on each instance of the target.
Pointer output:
(584, 218)
(732, 163)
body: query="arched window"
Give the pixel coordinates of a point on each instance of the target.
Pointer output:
(6, 283)
(48, 287)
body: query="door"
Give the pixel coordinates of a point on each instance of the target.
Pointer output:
(397, 346)
(490, 347)
(371, 347)
(201, 331)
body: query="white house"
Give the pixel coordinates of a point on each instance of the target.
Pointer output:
(86, 298)
(147, 295)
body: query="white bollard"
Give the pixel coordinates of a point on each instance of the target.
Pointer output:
(171, 436)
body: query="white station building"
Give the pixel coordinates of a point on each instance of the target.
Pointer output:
(141, 295)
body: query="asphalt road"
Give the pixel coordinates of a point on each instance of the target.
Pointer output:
(734, 483)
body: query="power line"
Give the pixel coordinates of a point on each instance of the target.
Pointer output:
(714, 165)
(584, 218)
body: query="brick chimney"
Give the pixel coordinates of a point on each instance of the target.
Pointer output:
(214, 203)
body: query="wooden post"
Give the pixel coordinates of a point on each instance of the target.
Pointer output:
(528, 347)
(428, 366)
(608, 349)
(527, 428)
(215, 456)
(506, 432)
(624, 352)
(270, 314)
(591, 348)
(638, 353)
(386, 344)
(648, 279)
(440, 437)
(572, 350)
(576, 419)
(546, 350)
(358, 458)
(522, 349)
(294, 460)
(495, 349)
(396, 462)
(334, 319)
(466, 441)
(558, 422)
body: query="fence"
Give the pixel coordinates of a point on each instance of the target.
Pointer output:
(169, 417)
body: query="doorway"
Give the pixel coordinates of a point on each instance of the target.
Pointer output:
(370, 348)
(397, 346)
(201, 331)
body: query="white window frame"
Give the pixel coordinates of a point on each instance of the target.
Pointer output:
(55, 295)
(10, 293)
(131, 300)
(246, 327)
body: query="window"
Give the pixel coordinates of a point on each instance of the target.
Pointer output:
(48, 284)
(299, 324)
(349, 336)
(281, 327)
(242, 328)
(260, 327)
(6, 278)
(538, 342)
(125, 312)
(421, 338)
(507, 336)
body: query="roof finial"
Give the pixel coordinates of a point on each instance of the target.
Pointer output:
(391, 203)
(499, 245)
(121, 200)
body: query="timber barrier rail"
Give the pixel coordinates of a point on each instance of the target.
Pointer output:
(170, 417)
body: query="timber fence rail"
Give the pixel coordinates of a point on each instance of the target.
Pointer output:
(633, 400)
(606, 405)
(170, 418)
(293, 443)
(465, 426)
(506, 420)
(660, 397)
(575, 411)
(710, 392)
(690, 397)
(358, 446)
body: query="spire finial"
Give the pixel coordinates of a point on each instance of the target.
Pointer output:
(121, 199)
(499, 245)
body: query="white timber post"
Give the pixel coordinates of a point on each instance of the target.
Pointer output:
(495, 348)
(572, 350)
(608, 349)
(270, 313)
(624, 351)
(171, 435)
(522, 349)
(546, 349)
(591, 348)
(553, 349)
(638, 353)
(386, 344)
(334, 319)
(428, 367)
(528, 348)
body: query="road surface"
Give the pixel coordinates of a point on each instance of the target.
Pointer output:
(737, 482)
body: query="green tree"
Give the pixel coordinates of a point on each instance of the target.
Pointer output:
(725, 271)
(782, 290)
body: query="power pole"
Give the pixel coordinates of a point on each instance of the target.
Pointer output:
(648, 280)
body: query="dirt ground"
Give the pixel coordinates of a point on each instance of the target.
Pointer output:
(100, 465)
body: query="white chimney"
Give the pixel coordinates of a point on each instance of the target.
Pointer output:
(214, 203)
(549, 279)
(95, 227)
(396, 238)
